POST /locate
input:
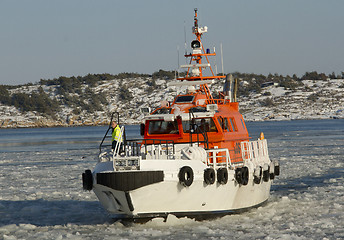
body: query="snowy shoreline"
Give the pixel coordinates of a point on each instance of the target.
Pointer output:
(311, 100)
(137, 123)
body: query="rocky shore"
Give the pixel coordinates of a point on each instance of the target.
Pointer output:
(313, 100)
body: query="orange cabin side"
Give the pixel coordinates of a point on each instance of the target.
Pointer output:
(225, 128)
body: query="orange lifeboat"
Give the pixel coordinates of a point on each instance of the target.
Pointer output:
(195, 159)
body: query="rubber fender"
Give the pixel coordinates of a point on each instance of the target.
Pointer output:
(209, 176)
(238, 175)
(245, 174)
(257, 175)
(222, 175)
(87, 180)
(186, 176)
(266, 174)
(277, 169)
(272, 170)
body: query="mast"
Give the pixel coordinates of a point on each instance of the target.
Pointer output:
(196, 65)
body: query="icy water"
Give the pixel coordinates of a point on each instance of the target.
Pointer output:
(41, 194)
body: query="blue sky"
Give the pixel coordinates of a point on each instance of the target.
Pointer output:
(44, 39)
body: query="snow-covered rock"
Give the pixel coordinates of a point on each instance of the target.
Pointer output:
(313, 100)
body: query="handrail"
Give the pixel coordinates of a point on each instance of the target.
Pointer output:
(198, 131)
(215, 157)
(218, 101)
(255, 151)
(158, 142)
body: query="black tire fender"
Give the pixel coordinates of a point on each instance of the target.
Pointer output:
(222, 175)
(257, 175)
(245, 175)
(87, 180)
(238, 175)
(209, 176)
(277, 169)
(186, 176)
(266, 174)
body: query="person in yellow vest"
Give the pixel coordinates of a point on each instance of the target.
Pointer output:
(116, 135)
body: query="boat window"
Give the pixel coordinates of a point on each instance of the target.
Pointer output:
(198, 109)
(184, 99)
(225, 125)
(162, 111)
(220, 120)
(163, 127)
(202, 124)
(243, 124)
(232, 125)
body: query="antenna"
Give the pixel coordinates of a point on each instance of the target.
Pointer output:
(215, 64)
(222, 59)
(178, 60)
(185, 38)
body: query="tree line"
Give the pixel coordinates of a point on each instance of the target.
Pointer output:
(76, 92)
(255, 81)
(36, 101)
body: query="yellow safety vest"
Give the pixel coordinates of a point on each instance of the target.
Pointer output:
(116, 134)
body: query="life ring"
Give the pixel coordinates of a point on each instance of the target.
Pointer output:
(257, 176)
(87, 180)
(222, 175)
(245, 174)
(209, 176)
(186, 176)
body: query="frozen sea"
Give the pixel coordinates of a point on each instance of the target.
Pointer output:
(41, 194)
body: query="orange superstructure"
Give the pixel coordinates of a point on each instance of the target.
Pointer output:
(196, 117)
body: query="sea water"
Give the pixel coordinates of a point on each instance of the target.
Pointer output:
(41, 194)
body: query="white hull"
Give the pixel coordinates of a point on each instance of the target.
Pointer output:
(171, 197)
(135, 188)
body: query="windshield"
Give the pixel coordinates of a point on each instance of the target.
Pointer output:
(184, 99)
(162, 111)
(163, 127)
(202, 125)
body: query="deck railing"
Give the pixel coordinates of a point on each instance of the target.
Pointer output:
(218, 157)
(255, 151)
(158, 148)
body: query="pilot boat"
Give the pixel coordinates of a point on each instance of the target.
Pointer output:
(195, 158)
